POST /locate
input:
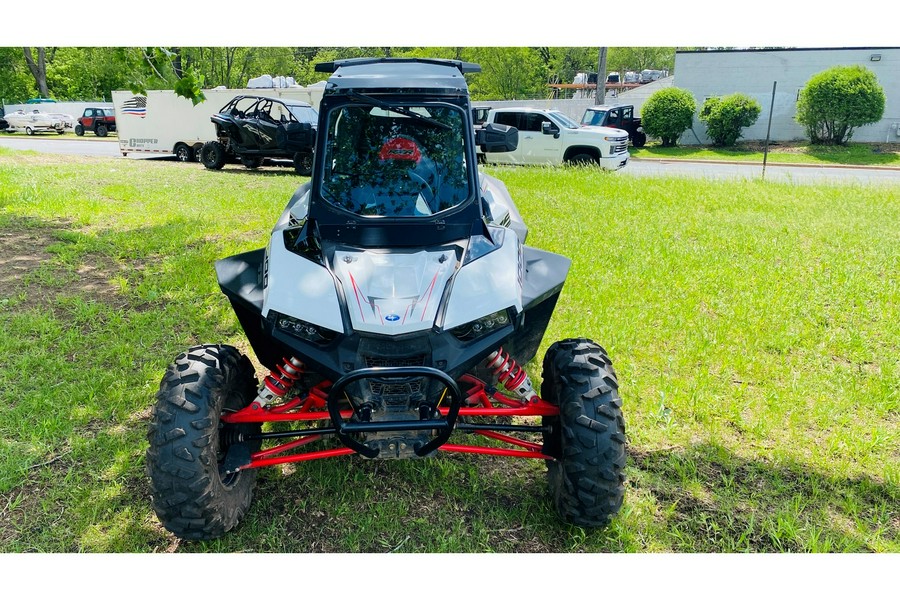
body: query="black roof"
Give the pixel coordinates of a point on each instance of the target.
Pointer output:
(389, 74)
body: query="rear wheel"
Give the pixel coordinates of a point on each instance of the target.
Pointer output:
(101, 130)
(639, 139)
(303, 163)
(587, 439)
(192, 494)
(212, 155)
(29, 131)
(79, 130)
(183, 152)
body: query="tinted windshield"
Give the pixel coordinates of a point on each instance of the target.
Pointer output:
(380, 163)
(304, 114)
(593, 117)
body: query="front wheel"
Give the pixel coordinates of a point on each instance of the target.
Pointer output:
(583, 159)
(212, 155)
(303, 163)
(79, 130)
(192, 493)
(29, 131)
(587, 439)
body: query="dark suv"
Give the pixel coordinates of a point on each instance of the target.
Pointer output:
(251, 128)
(99, 120)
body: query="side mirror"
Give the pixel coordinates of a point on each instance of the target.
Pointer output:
(497, 138)
(548, 128)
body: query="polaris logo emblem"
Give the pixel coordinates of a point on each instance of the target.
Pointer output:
(392, 317)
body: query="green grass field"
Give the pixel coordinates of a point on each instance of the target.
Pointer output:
(853, 154)
(754, 326)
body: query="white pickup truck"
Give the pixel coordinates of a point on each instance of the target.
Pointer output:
(550, 137)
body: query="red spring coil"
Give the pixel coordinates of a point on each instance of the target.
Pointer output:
(506, 370)
(287, 373)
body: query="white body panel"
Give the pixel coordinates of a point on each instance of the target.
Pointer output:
(168, 119)
(393, 293)
(302, 289)
(503, 211)
(486, 285)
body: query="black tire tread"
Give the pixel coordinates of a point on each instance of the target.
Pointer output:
(587, 481)
(188, 494)
(212, 155)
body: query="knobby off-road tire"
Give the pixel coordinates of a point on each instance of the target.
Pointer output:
(587, 481)
(212, 155)
(192, 495)
(639, 139)
(303, 163)
(79, 130)
(101, 130)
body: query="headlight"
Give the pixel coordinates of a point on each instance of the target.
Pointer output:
(481, 327)
(303, 330)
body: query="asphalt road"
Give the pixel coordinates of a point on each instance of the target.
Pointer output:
(636, 167)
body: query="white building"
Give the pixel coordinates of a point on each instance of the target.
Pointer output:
(753, 72)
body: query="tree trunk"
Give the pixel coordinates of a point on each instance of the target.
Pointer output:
(38, 69)
(600, 96)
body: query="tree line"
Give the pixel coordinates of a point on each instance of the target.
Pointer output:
(92, 73)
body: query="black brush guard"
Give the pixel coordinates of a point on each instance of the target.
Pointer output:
(345, 429)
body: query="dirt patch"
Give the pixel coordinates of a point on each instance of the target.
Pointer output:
(23, 250)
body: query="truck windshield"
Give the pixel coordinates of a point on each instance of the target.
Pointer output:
(382, 163)
(564, 120)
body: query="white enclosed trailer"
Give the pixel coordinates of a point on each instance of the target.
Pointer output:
(162, 122)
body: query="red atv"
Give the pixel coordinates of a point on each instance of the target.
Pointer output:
(99, 120)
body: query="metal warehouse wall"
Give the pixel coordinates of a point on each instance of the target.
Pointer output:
(718, 73)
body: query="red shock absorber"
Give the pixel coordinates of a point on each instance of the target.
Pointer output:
(277, 383)
(509, 373)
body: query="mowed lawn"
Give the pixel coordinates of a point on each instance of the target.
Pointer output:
(754, 326)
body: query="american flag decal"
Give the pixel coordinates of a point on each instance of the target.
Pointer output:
(136, 105)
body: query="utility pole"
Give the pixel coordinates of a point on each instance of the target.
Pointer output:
(600, 96)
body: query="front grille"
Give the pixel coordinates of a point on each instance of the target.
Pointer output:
(392, 386)
(385, 387)
(416, 360)
(620, 148)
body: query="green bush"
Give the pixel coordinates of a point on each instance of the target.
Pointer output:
(836, 101)
(667, 114)
(726, 116)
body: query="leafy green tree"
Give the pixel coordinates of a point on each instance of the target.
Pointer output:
(836, 101)
(16, 83)
(507, 73)
(667, 114)
(639, 58)
(726, 116)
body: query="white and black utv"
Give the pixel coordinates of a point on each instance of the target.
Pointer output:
(394, 307)
(253, 128)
